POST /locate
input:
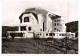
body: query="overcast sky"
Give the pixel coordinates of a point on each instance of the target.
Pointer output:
(12, 10)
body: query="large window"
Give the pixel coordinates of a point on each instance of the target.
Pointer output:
(26, 19)
(23, 28)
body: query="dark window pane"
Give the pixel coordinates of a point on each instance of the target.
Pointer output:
(54, 28)
(23, 28)
(26, 19)
(40, 29)
(46, 34)
(29, 28)
(50, 34)
(53, 34)
(54, 24)
(43, 26)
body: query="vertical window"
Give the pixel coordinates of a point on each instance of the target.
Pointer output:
(48, 30)
(54, 28)
(40, 29)
(53, 34)
(60, 34)
(43, 26)
(37, 34)
(29, 28)
(54, 24)
(26, 19)
(46, 34)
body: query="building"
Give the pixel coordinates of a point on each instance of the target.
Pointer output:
(37, 22)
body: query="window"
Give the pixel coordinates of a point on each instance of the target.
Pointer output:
(53, 34)
(50, 34)
(54, 28)
(40, 29)
(40, 33)
(26, 19)
(58, 20)
(29, 28)
(37, 34)
(72, 34)
(46, 34)
(63, 34)
(60, 34)
(55, 20)
(23, 28)
(57, 29)
(54, 24)
(43, 26)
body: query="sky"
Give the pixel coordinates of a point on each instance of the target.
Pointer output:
(11, 10)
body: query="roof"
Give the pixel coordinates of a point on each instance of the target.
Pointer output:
(28, 13)
(36, 11)
(54, 16)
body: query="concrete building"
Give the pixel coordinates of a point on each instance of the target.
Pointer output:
(37, 22)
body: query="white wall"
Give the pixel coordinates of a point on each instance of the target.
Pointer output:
(49, 23)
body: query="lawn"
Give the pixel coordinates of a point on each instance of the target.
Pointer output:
(39, 46)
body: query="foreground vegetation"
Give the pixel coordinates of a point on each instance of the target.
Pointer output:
(40, 46)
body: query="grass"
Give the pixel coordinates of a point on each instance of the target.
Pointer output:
(39, 46)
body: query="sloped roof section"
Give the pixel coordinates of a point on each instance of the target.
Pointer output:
(28, 13)
(35, 12)
(54, 16)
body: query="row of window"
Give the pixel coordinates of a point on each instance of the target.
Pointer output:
(52, 34)
(56, 24)
(23, 28)
(48, 34)
(56, 29)
(58, 20)
(62, 34)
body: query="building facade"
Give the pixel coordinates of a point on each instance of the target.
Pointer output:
(36, 22)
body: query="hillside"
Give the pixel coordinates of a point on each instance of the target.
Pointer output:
(72, 27)
(39, 46)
